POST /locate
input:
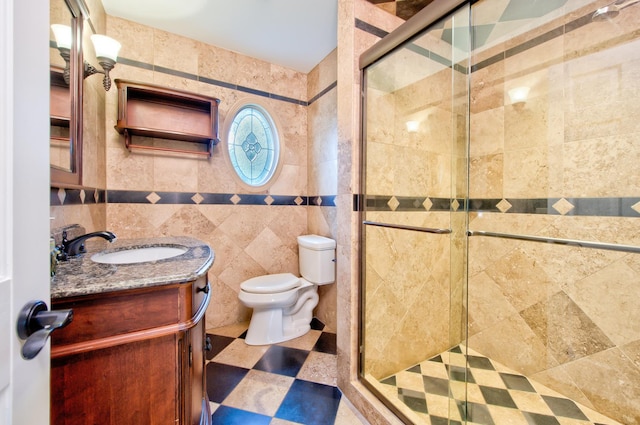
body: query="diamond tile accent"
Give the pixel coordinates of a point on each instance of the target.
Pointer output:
(427, 204)
(504, 205)
(153, 197)
(393, 203)
(563, 206)
(455, 205)
(61, 195)
(636, 207)
(299, 200)
(268, 200)
(235, 199)
(96, 196)
(197, 198)
(83, 196)
(319, 200)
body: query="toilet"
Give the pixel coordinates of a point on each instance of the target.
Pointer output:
(283, 303)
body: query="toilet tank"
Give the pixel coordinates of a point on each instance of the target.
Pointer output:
(317, 259)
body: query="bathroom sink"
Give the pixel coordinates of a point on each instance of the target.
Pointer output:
(139, 255)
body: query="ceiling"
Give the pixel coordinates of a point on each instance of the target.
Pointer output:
(296, 34)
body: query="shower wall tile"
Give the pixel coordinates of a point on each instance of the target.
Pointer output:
(526, 173)
(487, 88)
(558, 379)
(487, 304)
(632, 350)
(540, 56)
(489, 133)
(513, 343)
(486, 176)
(594, 376)
(516, 273)
(602, 167)
(607, 297)
(380, 182)
(573, 304)
(568, 332)
(396, 314)
(608, 34)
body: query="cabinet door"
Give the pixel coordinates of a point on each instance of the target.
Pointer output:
(133, 383)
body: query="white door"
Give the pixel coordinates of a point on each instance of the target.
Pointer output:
(24, 202)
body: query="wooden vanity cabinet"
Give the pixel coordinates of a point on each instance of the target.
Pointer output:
(132, 357)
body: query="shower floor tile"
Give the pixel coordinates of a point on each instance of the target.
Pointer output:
(494, 394)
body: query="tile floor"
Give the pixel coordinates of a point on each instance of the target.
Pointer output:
(294, 382)
(290, 383)
(431, 391)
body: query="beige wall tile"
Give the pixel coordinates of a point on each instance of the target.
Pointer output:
(594, 374)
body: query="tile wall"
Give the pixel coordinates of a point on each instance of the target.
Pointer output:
(360, 25)
(565, 164)
(562, 165)
(150, 194)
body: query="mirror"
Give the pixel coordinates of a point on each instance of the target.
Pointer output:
(66, 92)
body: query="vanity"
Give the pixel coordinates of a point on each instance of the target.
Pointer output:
(135, 350)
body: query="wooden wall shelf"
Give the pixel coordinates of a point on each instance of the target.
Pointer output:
(152, 111)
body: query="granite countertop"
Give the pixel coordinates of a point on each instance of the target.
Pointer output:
(81, 276)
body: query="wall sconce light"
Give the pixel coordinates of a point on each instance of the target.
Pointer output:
(412, 126)
(106, 52)
(518, 95)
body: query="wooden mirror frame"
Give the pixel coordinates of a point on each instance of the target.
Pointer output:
(79, 13)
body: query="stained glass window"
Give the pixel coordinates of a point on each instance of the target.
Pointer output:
(253, 145)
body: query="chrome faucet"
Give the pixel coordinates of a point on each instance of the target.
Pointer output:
(73, 247)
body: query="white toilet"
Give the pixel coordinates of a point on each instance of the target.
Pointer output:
(283, 303)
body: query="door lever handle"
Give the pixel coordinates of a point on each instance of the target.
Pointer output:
(35, 324)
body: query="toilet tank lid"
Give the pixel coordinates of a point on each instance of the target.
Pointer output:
(316, 242)
(270, 283)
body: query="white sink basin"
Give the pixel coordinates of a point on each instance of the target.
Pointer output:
(138, 255)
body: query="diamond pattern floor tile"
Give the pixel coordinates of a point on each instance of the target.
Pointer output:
(493, 394)
(291, 383)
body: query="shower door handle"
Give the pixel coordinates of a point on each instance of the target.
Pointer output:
(403, 227)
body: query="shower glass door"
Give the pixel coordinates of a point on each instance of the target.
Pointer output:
(500, 245)
(414, 179)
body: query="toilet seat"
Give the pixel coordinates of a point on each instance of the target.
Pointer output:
(271, 283)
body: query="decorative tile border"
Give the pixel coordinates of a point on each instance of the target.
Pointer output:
(594, 207)
(371, 29)
(86, 196)
(219, 83)
(64, 196)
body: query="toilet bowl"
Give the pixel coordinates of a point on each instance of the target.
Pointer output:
(283, 303)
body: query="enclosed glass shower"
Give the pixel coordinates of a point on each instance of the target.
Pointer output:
(500, 259)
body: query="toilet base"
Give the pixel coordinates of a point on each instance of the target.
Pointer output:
(273, 325)
(256, 335)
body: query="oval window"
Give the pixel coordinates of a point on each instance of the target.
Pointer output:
(253, 145)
